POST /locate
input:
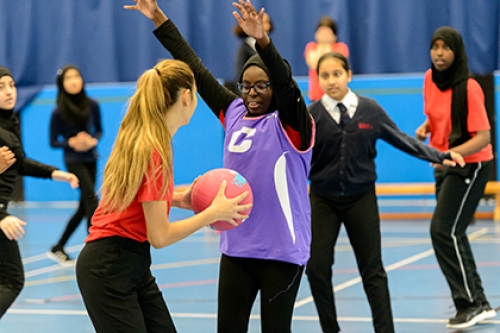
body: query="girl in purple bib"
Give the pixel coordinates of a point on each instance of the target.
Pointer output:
(269, 136)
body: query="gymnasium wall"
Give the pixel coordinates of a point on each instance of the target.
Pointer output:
(111, 44)
(198, 146)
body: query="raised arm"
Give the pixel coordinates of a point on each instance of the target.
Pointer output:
(291, 106)
(217, 97)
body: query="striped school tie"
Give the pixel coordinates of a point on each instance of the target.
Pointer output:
(344, 115)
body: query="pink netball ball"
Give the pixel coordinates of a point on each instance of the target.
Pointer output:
(206, 187)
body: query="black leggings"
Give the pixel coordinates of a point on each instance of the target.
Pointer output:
(240, 279)
(458, 191)
(118, 289)
(11, 272)
(86, 173)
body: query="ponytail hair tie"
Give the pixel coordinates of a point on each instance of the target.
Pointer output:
(158, 71)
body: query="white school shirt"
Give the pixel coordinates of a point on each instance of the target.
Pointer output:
(350, 101)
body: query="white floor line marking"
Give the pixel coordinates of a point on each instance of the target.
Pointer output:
(43, 256)
(208, 261)
(397, 320)
(253, 316)
(36, 258)
(74, 248)
(389, 268)
(44, 204)
(48, 312)
(389, 243)
(44, 270)
(58, 279)
(53, 268)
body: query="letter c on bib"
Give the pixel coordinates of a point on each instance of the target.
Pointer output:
(244, 144)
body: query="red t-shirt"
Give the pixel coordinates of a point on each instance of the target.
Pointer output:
(437, 108)
(131, 222)
(315, 91)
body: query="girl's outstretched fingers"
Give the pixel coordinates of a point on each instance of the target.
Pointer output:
(457, 158)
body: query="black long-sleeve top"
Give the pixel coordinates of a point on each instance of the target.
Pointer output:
(290, 104)
(343, 161)
(9, 136)
(61, 131)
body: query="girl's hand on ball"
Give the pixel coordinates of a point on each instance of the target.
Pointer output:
(229, 209)
(185, 197)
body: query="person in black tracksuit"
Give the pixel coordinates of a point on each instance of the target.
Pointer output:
(456, 119)
(11, 267)
(75, 126)
(342, 188)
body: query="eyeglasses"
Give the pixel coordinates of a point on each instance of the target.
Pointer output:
(259, 87)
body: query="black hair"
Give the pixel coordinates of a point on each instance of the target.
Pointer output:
(326, 21)
(333, 55)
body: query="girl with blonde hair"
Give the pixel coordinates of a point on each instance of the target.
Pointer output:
(113, 269)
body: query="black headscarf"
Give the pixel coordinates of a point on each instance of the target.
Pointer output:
(455, 77)
(256, 60)
(5, 71)
(74, 108)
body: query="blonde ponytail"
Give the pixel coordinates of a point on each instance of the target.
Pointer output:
(143, 131)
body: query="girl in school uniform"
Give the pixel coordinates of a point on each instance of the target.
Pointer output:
(342, 189)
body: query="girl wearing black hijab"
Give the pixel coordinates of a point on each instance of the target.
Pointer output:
(12, 228)
(457, 121)
(75, 126)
